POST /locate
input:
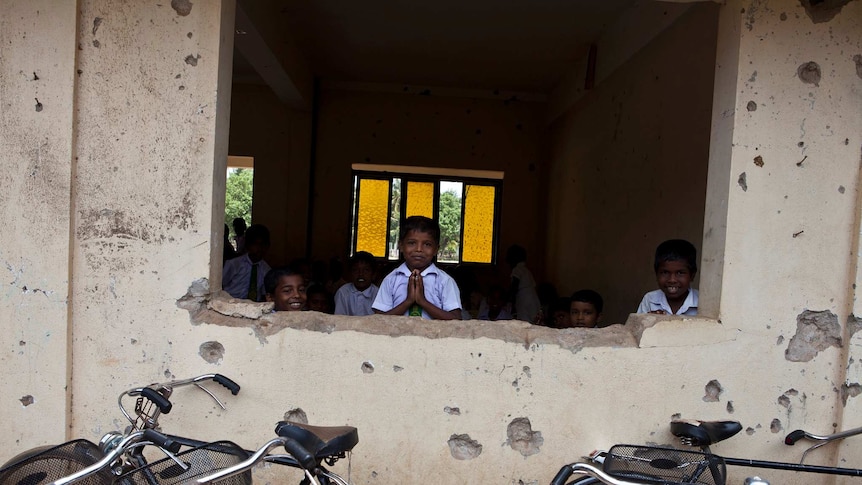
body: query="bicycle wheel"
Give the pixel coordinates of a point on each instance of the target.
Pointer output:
(54, 463)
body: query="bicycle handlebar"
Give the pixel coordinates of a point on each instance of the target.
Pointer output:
(159, 393)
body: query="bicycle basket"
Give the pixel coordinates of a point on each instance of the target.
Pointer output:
(200, 461)
(664, 466)
(54, 463)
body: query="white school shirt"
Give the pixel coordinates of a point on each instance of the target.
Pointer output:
(350, 301)
(440, 289)
(656, 300)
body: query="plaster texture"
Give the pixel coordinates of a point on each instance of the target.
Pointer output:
(129, 221)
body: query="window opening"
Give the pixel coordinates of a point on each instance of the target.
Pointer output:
(467, 209)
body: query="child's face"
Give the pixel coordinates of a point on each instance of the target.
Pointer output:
(256, 250)
(674, 279)
(361, 274)
(419, 249)
(289, 294)
(584, 314)
(318, 303)
(561, 319)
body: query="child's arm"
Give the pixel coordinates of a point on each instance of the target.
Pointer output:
(432, 310)
(385, 299)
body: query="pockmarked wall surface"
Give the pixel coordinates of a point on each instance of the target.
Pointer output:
(434, 401)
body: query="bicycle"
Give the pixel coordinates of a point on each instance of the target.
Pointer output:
(82, 461)
(640, 465)
(307, 446)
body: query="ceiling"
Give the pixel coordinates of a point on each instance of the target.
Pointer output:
(520, 45)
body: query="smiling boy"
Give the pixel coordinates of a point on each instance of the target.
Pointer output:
(355, 298)
(286, 288)
(675, 267)
(418, 286)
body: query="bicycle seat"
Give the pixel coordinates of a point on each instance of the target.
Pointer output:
(321, 441)
(703, 433)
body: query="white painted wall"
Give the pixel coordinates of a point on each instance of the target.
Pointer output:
(137, 190)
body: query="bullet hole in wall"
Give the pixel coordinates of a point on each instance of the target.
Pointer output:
(749, 431)
(367, 367)
(841, 189)
(296, 415)
(857, 59)
(212, 352)
(823, 10)
(192, 60)
(182, 7)
(730, 408)
(712, 390)
(815, 331)
(397, 368)
(522, 438)
(849, 390)
(751, 106)
(96, 23)
(742, 182)
(854, 323)
(27, 400)
(97, 44)
(775, 426)
(809, 73)
(758, 160)
(462, 447)
(38, 105)
(454, 411)
(784, 401)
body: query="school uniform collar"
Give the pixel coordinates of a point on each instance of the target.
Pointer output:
(660, 299)
(431, 269)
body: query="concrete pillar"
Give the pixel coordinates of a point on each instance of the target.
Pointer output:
(37, 67)
(780, 234)
(153, 96)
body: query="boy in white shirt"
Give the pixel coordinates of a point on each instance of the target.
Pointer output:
(675, 267)
(355, 298)
(418, 287)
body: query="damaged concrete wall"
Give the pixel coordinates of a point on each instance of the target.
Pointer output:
(428, 130)
(37, 65)
(790, 151)
(628, 166)
(447, 402)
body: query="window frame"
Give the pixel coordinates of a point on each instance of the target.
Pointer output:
(436, 178)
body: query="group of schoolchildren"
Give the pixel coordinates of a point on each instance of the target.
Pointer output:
(418, 287)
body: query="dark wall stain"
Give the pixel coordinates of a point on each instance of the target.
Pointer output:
(809, 73)
(857, 59)
(823, 10)
(815, 331)
(182, 7)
